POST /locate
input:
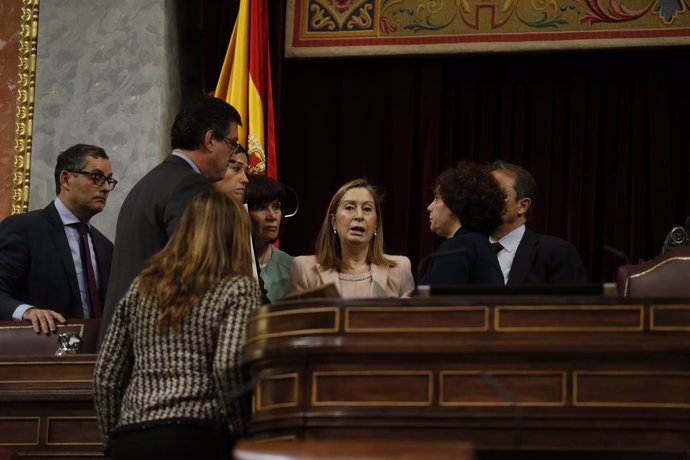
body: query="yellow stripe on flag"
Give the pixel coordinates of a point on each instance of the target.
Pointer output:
(237, 86)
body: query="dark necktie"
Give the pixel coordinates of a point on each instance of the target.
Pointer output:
(497, 247)
(96, 308)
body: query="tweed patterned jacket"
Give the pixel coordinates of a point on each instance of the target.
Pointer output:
(144, 375)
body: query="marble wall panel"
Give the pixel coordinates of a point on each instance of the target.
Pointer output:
(107, 74)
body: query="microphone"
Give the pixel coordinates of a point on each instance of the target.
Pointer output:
(618, 253)
(433, 255)
(294, 192)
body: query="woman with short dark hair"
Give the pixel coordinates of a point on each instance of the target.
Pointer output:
(467, 207)
(265, 198)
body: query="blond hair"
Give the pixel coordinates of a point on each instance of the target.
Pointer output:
(210, 242)
(328, 251)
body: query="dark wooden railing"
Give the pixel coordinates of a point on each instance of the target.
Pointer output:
(562, 374)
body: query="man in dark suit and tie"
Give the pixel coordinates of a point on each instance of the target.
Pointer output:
(203, 137)
(53, 264)
(526, 257)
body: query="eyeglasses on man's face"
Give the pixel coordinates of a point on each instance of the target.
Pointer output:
(232, 143)
(97, 178)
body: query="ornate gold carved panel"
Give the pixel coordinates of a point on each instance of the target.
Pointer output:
(25, 106)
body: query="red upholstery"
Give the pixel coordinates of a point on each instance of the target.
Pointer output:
(666, 276)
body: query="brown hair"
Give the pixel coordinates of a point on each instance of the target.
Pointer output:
(473, 195)
(328, 252)
(210, 242)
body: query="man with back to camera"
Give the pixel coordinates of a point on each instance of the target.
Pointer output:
(203, 137)
(526, 257)
(44, 266)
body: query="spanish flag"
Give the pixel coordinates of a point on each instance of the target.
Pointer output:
(245, 83)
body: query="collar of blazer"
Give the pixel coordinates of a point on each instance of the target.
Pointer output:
(379, 273)
(59, 238)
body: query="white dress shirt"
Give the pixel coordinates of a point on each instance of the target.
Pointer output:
(510, 243)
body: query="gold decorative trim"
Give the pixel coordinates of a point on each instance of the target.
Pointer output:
(577, 403)
(12, 382)
(295, 386)
(652, 315)
(38, 431)
(483, 328)
(48, 420)
(317, 374)
(44, 363)
(626, 289)
(80, 326)
(635, 308)
(561, 403)
(25, 106)
(270, 335)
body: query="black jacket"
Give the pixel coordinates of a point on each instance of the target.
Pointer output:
(544, 259)
(36, 266)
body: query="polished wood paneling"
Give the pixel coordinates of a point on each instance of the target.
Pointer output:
(19, 431)
(416, 319)
(570, 318)
(372, 388)
(632, 389)
(544, 373)
(478, 388)
(670, 318)
(46, 406)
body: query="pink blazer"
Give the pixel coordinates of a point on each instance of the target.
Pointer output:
(396, 281)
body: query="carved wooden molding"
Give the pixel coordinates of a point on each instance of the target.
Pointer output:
(25, 105)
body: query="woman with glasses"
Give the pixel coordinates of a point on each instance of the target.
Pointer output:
(235, 180)
(171, 359)
(467, 207)
(265, 197)
(349, 250)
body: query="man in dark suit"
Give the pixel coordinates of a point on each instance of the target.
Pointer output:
(527, 257)
(44, 263)
(203, 138)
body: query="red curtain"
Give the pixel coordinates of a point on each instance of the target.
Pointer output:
(605, 134)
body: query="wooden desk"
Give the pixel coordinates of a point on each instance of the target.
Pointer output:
(46, 401)
(536, 373)
(46, 406)
(545, 374)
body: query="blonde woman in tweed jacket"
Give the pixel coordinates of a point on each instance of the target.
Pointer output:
(171, 358)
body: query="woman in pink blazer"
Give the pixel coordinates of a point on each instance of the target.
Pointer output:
(349, 250)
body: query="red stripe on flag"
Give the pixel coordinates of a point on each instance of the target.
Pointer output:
(260, 73)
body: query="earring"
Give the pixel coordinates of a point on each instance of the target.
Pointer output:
(334, 232)
(374, 233)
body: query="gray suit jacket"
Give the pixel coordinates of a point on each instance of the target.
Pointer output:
(396, 281)
(147, 218)
(36, 266)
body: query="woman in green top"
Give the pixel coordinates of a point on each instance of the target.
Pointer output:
(265, 197)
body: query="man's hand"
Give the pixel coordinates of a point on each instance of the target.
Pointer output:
(43, 320)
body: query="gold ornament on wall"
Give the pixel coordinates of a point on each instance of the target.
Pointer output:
(25, 105)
